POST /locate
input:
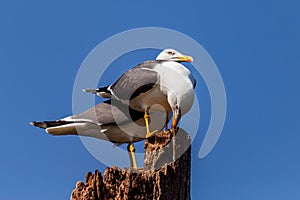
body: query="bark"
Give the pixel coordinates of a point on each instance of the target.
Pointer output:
(166, 174)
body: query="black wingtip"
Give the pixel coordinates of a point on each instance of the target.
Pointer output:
(38, 124)
(88, 90)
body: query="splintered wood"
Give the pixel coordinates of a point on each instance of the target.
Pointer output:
(165, 176)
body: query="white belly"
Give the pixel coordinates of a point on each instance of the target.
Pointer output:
(175, 82)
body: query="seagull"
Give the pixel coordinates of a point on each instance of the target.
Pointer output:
(164, 82)
(109, 120)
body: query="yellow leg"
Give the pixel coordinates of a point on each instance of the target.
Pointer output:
(131, 150)
(175, 120)
(173, 125)
(146, 117)
(148, 133)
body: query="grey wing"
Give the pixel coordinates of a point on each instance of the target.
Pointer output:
(108, 117)
(110, 113)
(137, 80)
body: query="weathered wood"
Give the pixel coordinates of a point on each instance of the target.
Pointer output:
(162, 177)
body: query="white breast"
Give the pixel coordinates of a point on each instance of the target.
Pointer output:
(176, 82)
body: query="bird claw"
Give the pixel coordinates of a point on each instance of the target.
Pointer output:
(138, 170)
(173, 131)
(150, 134)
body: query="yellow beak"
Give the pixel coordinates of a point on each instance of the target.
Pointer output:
(184, 58)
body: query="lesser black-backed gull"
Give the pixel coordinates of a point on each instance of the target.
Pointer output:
(109, 121)
(164, 81)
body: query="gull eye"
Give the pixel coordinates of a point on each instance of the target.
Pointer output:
(170, 53)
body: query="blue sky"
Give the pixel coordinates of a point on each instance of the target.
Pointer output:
(255, 45)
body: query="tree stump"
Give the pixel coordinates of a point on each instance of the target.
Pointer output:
(166, 174)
